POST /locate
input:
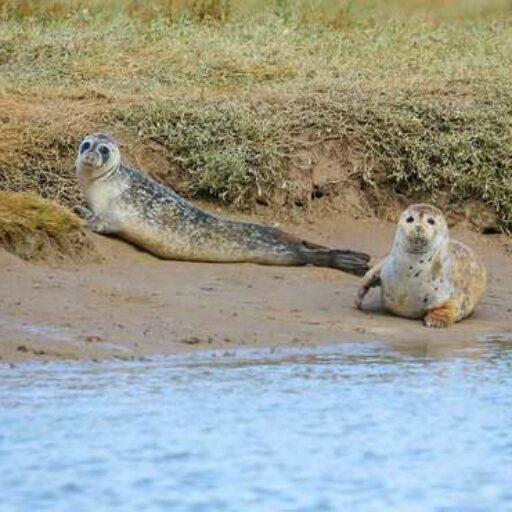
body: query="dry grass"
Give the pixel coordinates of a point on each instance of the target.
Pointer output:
(337, 13)
(417, 94)
(36, 229)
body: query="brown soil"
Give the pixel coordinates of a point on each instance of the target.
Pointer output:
(132, 305)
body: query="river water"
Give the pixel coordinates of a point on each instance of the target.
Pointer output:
(354, 427)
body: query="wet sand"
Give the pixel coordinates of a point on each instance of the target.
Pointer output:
(132, 305)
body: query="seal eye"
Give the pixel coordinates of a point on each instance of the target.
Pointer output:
(431, 221)
(409, 219)
(104, 151)
(85, 147)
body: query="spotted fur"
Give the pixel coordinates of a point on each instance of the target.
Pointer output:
(124, 202)
(427, 275)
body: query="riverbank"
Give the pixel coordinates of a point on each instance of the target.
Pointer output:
(132, 305)
(294, 112)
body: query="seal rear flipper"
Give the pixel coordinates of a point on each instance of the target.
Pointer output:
(349, 261)
(304, 252)
(442, 316)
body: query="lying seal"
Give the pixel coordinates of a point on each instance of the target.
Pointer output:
(427, 275)
(132, 206)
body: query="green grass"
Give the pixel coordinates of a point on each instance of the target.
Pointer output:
(225, 150)
(418, 93)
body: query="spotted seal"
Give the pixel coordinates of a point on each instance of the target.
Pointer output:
(124, 202)
(427, 275)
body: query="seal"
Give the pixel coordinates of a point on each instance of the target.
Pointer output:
(130, 205)
(427, 275)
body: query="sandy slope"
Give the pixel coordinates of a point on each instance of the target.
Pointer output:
(132, 304)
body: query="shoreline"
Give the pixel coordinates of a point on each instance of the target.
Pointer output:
(132, 305)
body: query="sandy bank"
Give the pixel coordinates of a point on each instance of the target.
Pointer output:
(134, 305)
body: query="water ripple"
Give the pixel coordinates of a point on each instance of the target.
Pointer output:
(349, 427)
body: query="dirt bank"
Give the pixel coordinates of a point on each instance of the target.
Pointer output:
(134, 305)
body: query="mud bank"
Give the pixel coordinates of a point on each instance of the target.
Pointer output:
(133, 305)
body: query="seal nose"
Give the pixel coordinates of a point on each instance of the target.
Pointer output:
(90, 157)
(417, 235)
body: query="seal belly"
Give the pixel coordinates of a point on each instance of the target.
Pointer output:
(409, 289)
(190, 241)
(402, 300)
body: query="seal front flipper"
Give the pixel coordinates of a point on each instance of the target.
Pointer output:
(370, 280)
(101, 225)
(83, 211)
(96, 223)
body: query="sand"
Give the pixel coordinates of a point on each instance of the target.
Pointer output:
(132, 305)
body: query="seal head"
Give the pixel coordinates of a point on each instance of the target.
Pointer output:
(97, 157)
(421, 229)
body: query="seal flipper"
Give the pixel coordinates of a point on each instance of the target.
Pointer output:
(102, 225)
(442, 316)
(346, 260)
(370, 280)
(287, 249)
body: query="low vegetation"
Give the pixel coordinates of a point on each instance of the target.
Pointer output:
(416, 95)
(225, 150)
(36, 229)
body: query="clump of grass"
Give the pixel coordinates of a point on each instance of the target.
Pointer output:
(39, 141)
(37, 229)
(45, 167)
(421, 146)
(224, 149)
(460, 151)
(411, 144)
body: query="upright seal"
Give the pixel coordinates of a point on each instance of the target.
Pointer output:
(124, 202)
(427, 275)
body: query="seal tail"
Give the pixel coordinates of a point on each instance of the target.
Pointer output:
(349, 261)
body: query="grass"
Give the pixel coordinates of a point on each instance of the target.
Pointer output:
(326, 12)
(36, 229)
(224, 149)
(417, 94)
